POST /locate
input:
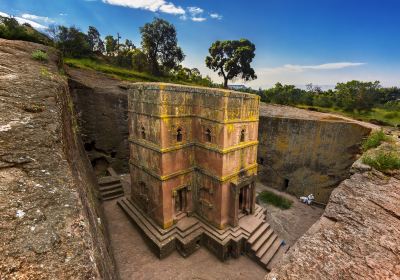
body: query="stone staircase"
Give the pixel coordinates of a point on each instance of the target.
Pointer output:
(257, 237)
(110, 187)
(264, 244)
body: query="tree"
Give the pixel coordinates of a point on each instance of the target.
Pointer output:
(356, 95)
(160, 45)
(71, 41)
(95, 42)
(232, 59)
(129, 44)
(111, 45)
(139, 61)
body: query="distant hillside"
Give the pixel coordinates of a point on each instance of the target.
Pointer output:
(12, 30)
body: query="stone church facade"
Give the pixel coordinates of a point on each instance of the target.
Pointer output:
(193, 151)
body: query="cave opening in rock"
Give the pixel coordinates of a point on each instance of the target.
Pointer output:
(285, 184)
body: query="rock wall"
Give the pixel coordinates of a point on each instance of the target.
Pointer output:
(51, 226)
(358, 236)
(101, 106)
(305, 152)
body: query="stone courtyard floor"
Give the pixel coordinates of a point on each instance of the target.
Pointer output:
(292, 223)
(135, 260)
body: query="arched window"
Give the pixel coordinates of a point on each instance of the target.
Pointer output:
(208, 135)
(242, 135)
(179, 135)
(143, 132)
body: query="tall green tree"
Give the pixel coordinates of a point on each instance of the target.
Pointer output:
(111, 45)
(95, 42)
(160, 44)
(356, 95)
(231, 59)
(71, 41)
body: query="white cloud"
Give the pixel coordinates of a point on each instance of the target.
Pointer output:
(198, 19)
(287, 68)
(150, 5)
(325, 66)
(22, 20)
(216, 16)
(195, 10)
(37, 18)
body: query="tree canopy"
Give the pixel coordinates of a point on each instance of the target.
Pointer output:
(160, 44)
(232, 59)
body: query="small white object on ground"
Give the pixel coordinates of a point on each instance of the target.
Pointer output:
(20, 214)
(307, 199)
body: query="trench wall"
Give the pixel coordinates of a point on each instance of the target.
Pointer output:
(51, 224)
(303, 156)
(101, 108)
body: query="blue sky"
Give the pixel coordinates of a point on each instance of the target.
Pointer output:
(297, 42)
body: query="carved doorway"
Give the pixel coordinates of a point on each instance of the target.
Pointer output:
(180, 202)
(244, 200)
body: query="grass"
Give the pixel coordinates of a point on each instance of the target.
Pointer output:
(374, 140)
(388, 117)
(275, 199)
(118, 72)
(383, 160)
(39, 55)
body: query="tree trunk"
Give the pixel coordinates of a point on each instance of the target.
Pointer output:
(225, 82)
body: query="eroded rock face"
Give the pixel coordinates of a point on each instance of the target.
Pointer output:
(50, 224)
(304, 152)
(102, 109)
(358, 236)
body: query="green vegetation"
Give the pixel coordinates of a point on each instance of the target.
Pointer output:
(160, 45)
(12, 30)
(383, 160)
(374, 140)
(274, 199)
(39, 55)
(231, 59)
(366, 101)
(378, 115)
(131, 75)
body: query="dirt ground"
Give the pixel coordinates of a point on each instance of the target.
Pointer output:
(291, 223)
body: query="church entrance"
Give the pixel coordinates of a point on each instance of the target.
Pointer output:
(180, 202)
(242, 197)
(244, 200)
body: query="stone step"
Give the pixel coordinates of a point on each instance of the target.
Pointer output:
(146, 221)
(257, 233)
(110, 187)
(106, 194)
(109, 180)
(113, 197)
(279, 254)
(267, 244)
(112, 171)
(271, 252)
(142, 223)
(263, 239)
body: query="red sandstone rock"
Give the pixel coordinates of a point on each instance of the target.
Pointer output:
(358, 237)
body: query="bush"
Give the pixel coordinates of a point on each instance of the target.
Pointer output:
(374, 140)
(391, 115)
(274, 199)
(383, 161)
(39, 55)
